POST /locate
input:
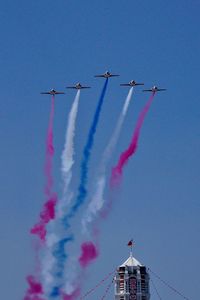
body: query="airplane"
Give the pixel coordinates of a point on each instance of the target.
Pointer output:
(131, 83)
(107, 74)
(78, 86)
(154, 89)
(52, 92)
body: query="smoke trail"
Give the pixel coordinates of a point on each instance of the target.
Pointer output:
(55, 256)
(82, 190)
(59, 274)
(67, 159)
(89, 249)
(59, 254)
(35, 290)
(48, 211)
(89, 252)
(124, 157)
(97, 199)
(113, 141)
(73, 296)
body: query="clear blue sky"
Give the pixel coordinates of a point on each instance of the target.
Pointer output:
(46, 44)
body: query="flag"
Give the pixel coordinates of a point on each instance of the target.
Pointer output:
(130, 243)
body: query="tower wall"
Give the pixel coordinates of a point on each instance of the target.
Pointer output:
(132, 283)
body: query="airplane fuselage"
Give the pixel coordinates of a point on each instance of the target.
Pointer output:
(131, 83)
(52, 92)
(78, 86)
(154, 88)
(107, 75)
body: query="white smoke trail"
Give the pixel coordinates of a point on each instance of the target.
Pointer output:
(97, 200)
(67, 157)
(55, 230)
(48, 261)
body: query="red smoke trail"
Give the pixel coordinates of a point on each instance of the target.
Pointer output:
(48, 211)
(124, 157)
(89, 253)
(35, 289)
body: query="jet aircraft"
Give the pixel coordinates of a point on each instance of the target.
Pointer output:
(107, 74)
(154, 89)
(78, 86)
(52, 92)
(131, 83)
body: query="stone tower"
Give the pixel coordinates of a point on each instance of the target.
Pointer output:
(132, 281)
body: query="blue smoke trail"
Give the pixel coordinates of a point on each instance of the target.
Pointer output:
(59, 252)
(82, 190)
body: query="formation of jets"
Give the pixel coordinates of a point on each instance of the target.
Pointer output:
(107, 74)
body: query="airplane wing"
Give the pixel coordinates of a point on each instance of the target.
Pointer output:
(59, 93)
(45, 93)
(125, 84)
(71, 87)
(160, 90)
(147, 91)
(106, 76)
(139, 84)
(85, 87)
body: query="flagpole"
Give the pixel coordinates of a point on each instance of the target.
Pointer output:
(130, 244)
(131, 251)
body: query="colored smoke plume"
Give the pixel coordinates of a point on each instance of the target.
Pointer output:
(55, 255)
(47, 214)
(89, 252)
(49, 151)
(97, 200)
(35, 290)
(124, 157)
(59, 253)
(67, 158)
(82, 190)
(48, 211)
(75, 294)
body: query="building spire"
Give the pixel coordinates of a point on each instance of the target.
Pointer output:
(132, 279)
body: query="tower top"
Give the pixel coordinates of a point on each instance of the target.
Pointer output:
(132, 279)
(131, 262)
